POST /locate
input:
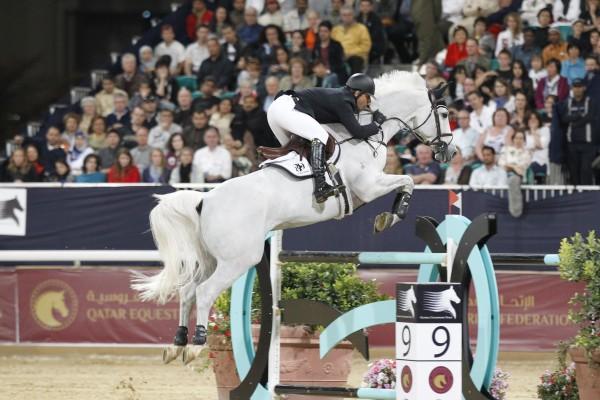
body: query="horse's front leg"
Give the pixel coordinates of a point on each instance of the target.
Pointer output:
(377, 185)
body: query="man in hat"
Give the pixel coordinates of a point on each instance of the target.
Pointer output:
(556, 47)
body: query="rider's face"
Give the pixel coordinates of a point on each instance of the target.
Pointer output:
(363, 101)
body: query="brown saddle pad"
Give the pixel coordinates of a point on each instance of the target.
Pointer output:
(297, 144)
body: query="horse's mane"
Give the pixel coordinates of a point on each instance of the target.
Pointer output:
(395, 81)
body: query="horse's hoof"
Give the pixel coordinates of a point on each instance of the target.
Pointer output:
(199, 336)
(190, 353)
(171, 353)
(383, 221)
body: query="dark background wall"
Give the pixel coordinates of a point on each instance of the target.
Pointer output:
(49, 45)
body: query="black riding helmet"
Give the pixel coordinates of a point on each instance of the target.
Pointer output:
(361, 82)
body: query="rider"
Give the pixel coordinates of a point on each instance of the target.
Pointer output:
(302, 112)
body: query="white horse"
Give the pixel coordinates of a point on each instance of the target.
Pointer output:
(208, 240)
(441, 301)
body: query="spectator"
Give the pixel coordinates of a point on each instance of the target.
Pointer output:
(193, 135)
(457, 173)
(474, 58)
(174, 147)
(220, 20)
(433, 75)
(105, 98)
(141, 152)
(272, 14)
(496, 136)
(485, 40)
(393, 165)
(537, 141)
(144, 91)
(216, 65)
(556, 48)
(281, 67)
(457, 91)
(71, 123)
(147, 60)
(321, 7)
(297, 79)
(150, 107)
(575, 126)
(566, 11)
(239, 156)
(335, 16)
(271, 38)
(221, 119)
(504, 69)
(160, 134)
(237, 13)
(172, 48)
(481, 116)
(90, 172)
(579, 37)
(129, 80)
(123, 170)
(97, 134)
(250, 125)
(329, 51)
(207, 101)
(542, 29)
(465, 137)
(425, 171)
(548, 112)
(89, 107)
(537, 71)
(33, 156)
(165, 84)
(515, 159)
(520, 81)
(354, 38)
(250, 29)
(199, 15)
(489, 174)
(553, 84)
(183, 113)
(574, 66)
(186, 171)
(457, 50)
(521, 111)
(502, 96)
(426, 16)
(77, 153)
(19, 169)
(400, 30)
(231, 47)
(251, 72)
(322, 77)
(108, 154)
(120, 117)
(477, 9)
(60, 173)
(298, 48)
(156, 172)
(213, 159)
(138, 119)
(530, 10)
(592, 78)
(53, 149)
(312, 32)
(296, 18)
(372, 21)
(196, 52)
(525, 51)
(271, 88)
(512, 35)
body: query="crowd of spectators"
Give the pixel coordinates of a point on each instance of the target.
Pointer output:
(523, 99)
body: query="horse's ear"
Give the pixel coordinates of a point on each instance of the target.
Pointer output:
(438, 92)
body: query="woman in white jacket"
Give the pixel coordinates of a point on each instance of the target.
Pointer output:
(78, 153)
(512, 35)
(186, 171)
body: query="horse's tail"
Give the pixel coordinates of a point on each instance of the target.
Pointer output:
(175, 225)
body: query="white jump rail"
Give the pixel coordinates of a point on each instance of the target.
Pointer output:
(79, 255)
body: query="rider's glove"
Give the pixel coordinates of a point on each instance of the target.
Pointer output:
(378, 117)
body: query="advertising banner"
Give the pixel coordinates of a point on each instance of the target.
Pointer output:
(89, 305)
(8, 318)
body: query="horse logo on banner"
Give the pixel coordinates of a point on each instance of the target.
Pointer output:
(407, 299)
(441, 301)
(8, 208)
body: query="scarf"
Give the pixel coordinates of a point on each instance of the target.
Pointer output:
(551, 86)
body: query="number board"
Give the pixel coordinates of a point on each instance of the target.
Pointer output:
(429, 320)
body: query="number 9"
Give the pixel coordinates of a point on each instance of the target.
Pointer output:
(445, 342)
(405, 341)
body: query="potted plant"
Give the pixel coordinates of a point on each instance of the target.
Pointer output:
(580, 262)
(335, 284)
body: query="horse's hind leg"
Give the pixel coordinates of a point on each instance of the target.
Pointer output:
(186, 299)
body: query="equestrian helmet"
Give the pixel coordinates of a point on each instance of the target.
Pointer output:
(361, 82)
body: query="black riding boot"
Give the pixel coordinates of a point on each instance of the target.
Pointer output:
(322, 189)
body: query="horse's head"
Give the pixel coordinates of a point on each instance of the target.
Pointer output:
(58, 304)
(453, 296)
(14, 204)
(404, 97)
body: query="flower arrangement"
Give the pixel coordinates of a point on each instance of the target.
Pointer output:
(559, 384)
(499, 384)
(381, 374)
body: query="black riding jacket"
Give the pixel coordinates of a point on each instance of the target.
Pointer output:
(330, 106)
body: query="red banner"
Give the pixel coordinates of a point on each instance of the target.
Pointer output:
(533, 309)
(90, 305)
(8, 318)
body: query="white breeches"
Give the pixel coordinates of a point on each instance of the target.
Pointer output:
(285, 120)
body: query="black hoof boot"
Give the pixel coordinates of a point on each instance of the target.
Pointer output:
(401, 204)
(181, 336)
(199, 335)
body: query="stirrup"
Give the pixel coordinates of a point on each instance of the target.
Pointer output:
(323, 193)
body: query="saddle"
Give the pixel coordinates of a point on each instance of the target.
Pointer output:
(297, 144)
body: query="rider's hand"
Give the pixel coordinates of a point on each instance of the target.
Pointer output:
(378, 117)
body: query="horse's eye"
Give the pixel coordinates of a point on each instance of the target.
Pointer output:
(444, 115)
